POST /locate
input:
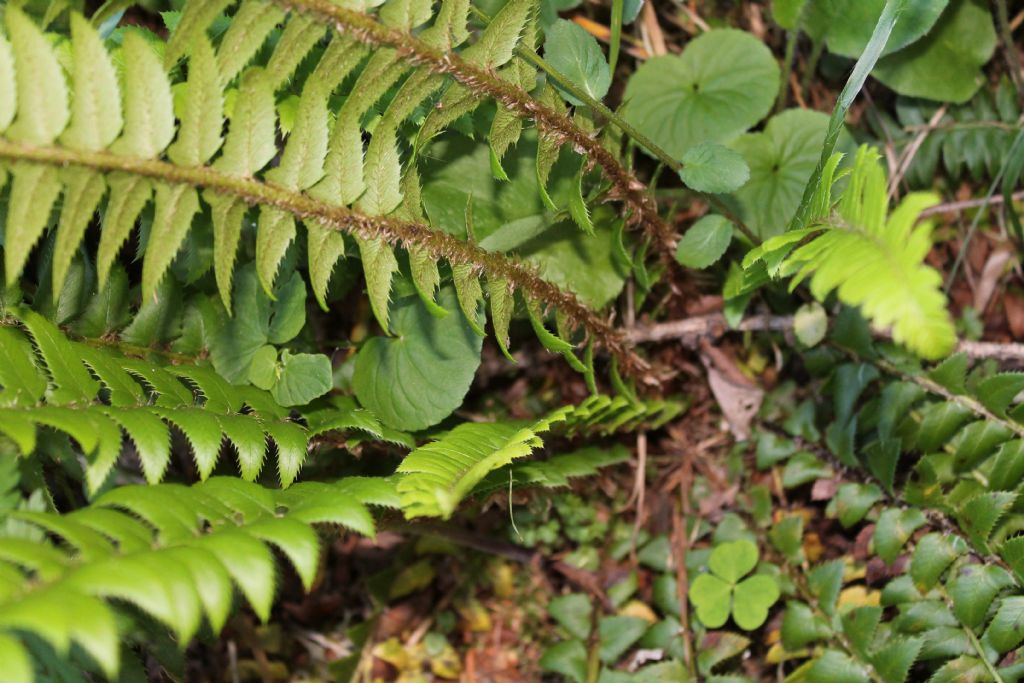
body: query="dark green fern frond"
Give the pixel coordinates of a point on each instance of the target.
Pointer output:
(174, 552)
(144, 400)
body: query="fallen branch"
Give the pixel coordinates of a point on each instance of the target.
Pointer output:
(690, 331)
(967, 204)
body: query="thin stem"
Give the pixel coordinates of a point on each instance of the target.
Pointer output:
(396, 232)
(791, 40)
(485, 80)
(1006, 34)
(1018, 141)
(971, 636)
(817, 48)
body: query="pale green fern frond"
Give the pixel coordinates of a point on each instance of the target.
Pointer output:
(436, 477)
(871, 258)
(100, 141)
(175, 552)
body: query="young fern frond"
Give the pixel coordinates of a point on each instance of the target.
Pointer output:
(871, 258)
(119, 149)
(174, 552)
(435, 478)
(145, 400)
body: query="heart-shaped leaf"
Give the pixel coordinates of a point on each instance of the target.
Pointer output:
(751, 600)
(711, 596)
(732, 561)
(418, 377)
(724, 82)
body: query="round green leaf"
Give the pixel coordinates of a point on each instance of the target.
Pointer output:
(710, 595)
(724, 82)
(946, 64)
(732, 561)
(418, 377)
(263, 371)
(787, 13)
(848, 23)
(510, 216)
(303, 377)
(575, 54)
(810, 324)
(781, 160)
(751, 600)
(710, 167)
(705, 242)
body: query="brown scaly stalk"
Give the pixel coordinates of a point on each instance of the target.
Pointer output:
(627, 186)
(396, 232)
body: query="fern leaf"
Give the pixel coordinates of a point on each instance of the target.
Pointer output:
(145, 400)
(302, 163)
(470, 295)
(83, 190)
(96, 108)
(42, 94)
(383, 170)
(250, 144)
(499, 39)
(502, 304)
(176, 205)
(199, 135)
(246, 33)
(148, 104)
(16, 660)
(379, 265)
(300, 35)
(440, 474)
(129, 194)
(21, 380)
(325, 246)
(426, 279)
(274, 232)
(8, 85)
(228, 214)
(195, 18)
(875, 262)
(33, 194)
(201, 541)
(71, 381)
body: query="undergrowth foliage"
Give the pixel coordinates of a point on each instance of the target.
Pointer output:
(255, 258)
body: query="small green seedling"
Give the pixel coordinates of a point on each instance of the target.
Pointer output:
(721, 592)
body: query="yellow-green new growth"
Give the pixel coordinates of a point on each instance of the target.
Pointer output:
(871, 258)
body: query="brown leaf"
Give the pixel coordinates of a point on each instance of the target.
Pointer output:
(987, 282)
(738, 397)
(1014, 303)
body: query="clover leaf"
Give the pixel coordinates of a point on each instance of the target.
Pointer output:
(720, 593)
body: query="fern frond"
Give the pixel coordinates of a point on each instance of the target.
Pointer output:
(436, 477)
(144, 401)
(174, 552)
(555, 472)
(102, 148)
(476, 80)
(872, 259)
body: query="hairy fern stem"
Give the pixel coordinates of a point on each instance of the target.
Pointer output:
(396, 232)
(627, 187)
